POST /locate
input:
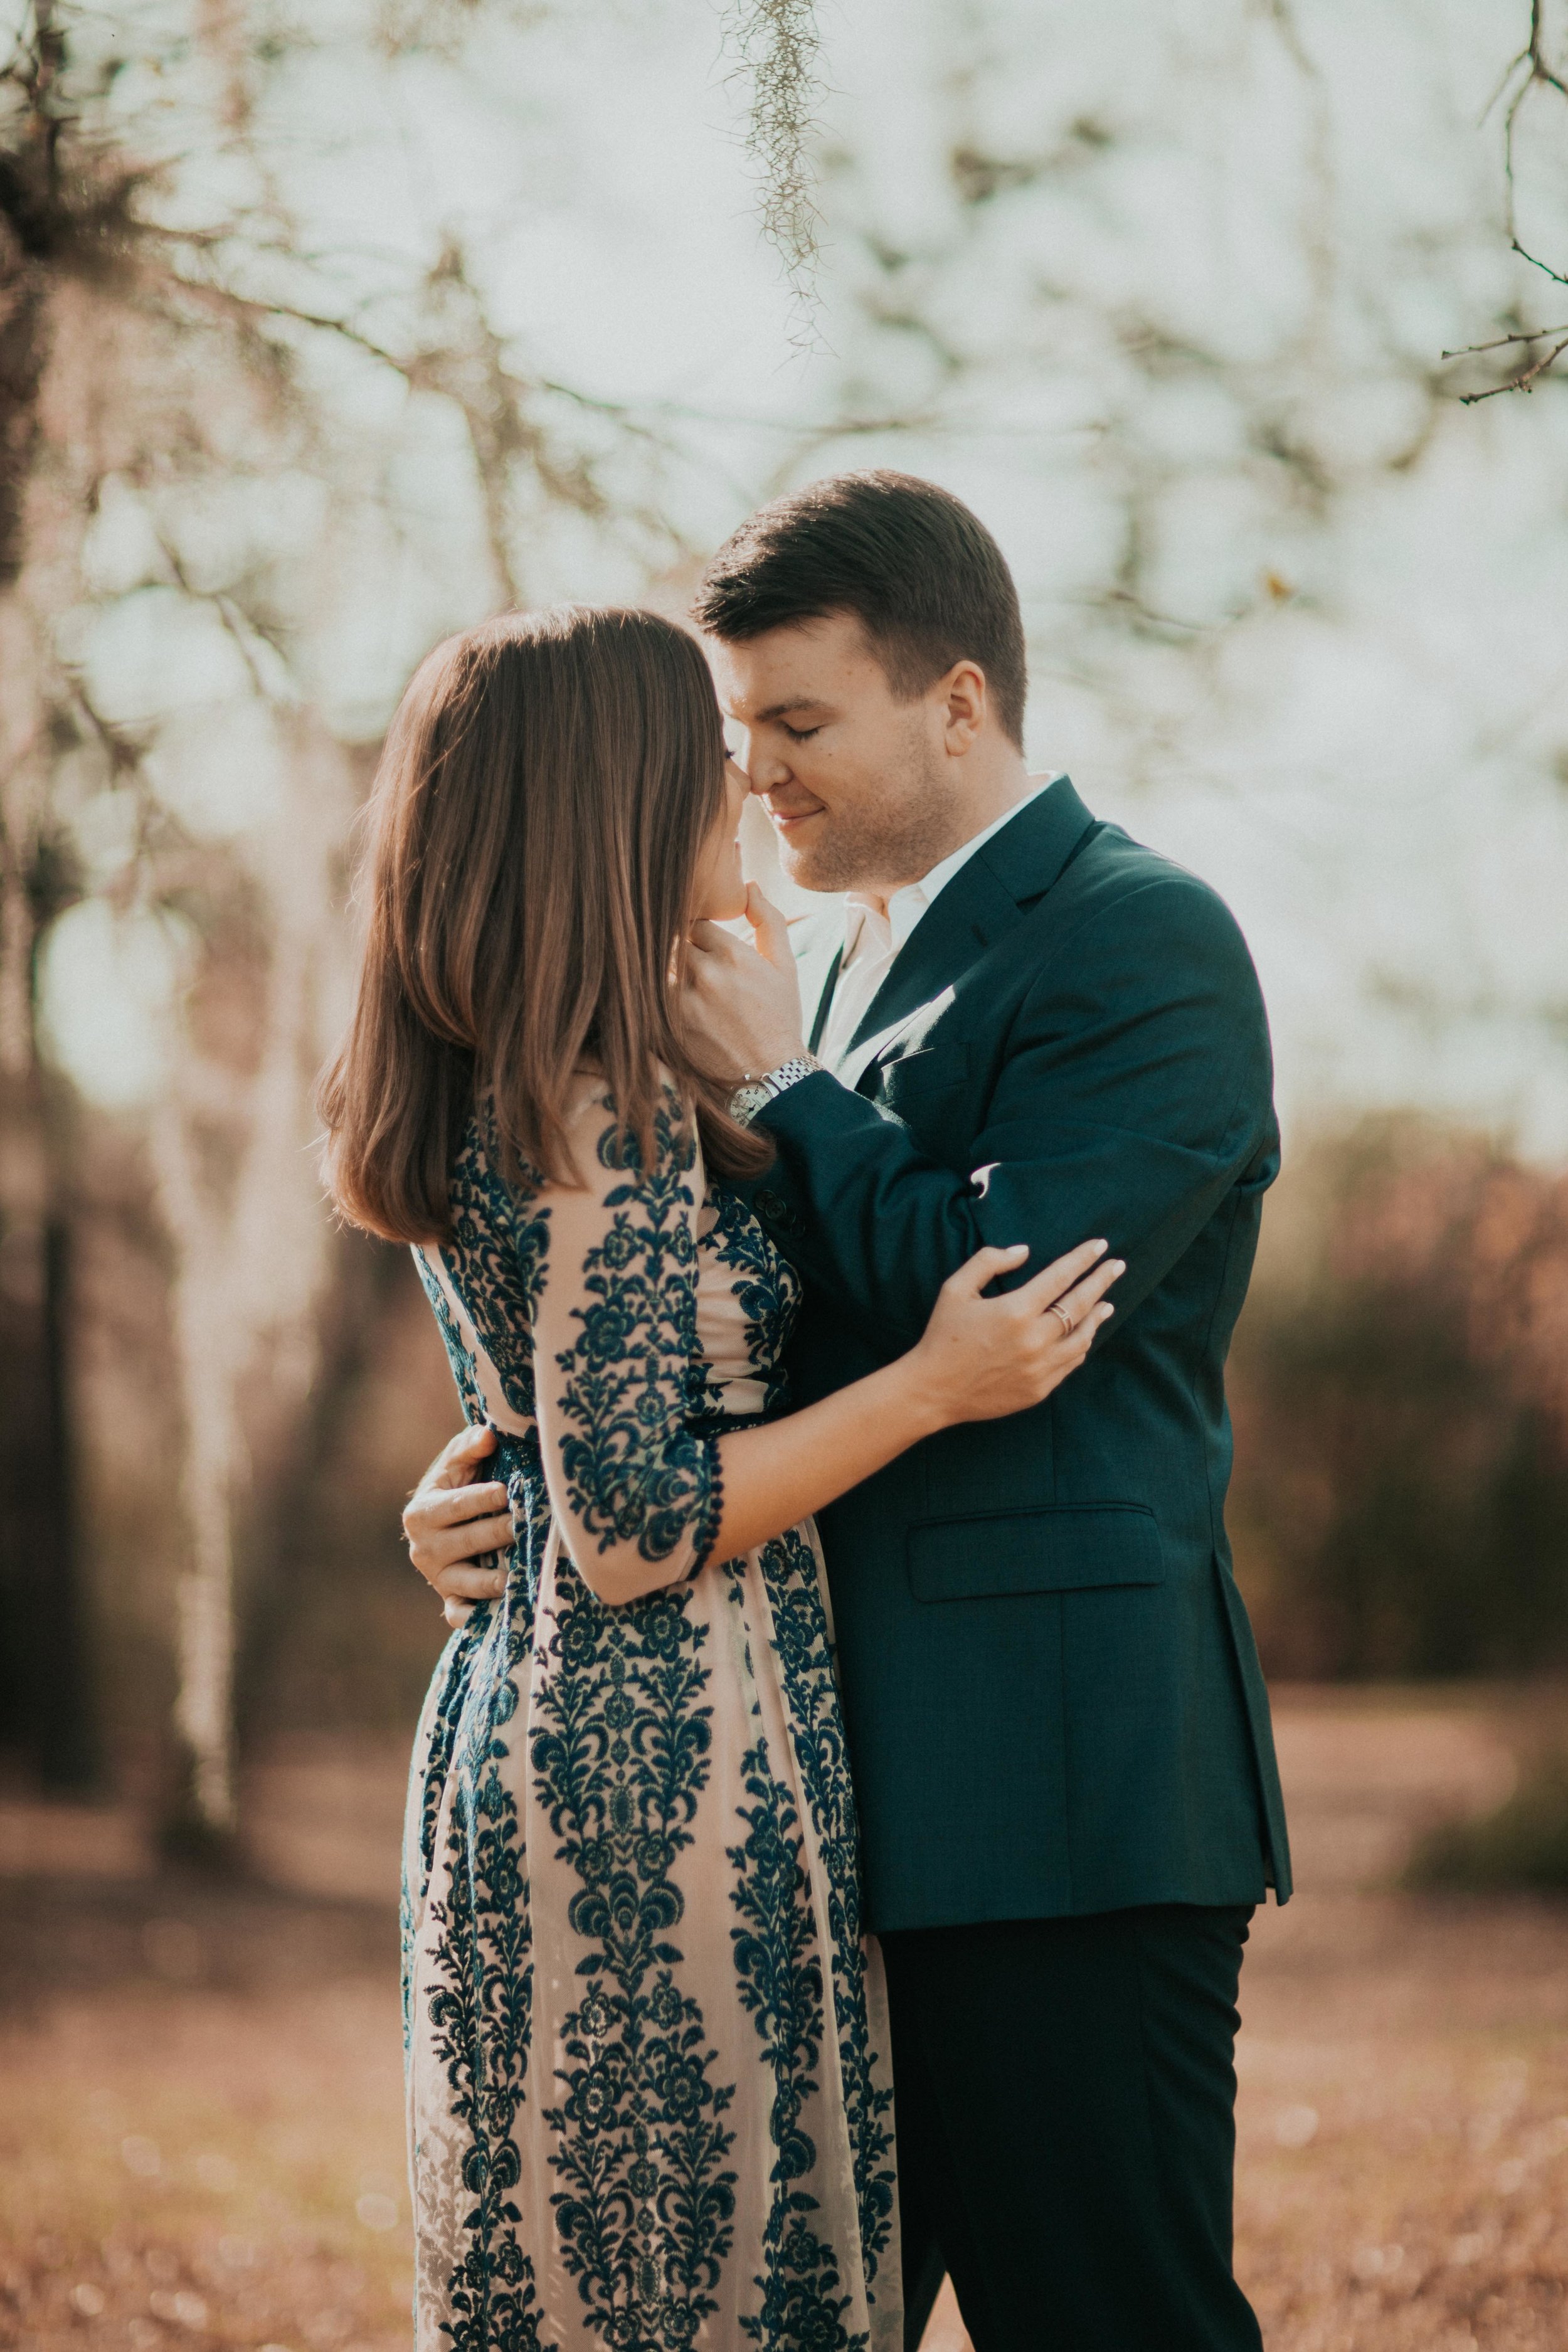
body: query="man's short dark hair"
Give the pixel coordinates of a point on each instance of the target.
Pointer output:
(923, 575)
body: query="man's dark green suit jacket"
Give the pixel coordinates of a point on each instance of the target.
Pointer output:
(1053, 1699)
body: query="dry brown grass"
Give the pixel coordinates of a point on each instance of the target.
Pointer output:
(201, 2131)
(1424, 2050)
(1403, 2176)
(1416, 2048)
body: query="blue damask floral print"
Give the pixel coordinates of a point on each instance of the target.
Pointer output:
(637, 1337)
(649, 2105)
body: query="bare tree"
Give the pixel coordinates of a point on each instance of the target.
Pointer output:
(66, 226)
(1530, 75)
(171, 335)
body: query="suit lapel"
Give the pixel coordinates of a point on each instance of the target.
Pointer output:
(817, 941)
(984, 899)
(856, 1060)
(825, 1003)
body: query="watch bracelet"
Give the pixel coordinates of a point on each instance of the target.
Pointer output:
(752, 1093)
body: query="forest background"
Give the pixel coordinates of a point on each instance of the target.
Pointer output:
(325, 331)
(327, 328)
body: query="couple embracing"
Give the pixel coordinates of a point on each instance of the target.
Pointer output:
(837, 1816)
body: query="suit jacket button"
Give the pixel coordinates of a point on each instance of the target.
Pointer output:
(772, 1204)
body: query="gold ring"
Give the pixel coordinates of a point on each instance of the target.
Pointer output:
(1063, 1318)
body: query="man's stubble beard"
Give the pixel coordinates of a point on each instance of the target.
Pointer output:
(882, 845)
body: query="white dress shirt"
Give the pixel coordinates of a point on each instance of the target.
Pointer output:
(873, 937)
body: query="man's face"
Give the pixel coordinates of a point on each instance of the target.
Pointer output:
(857, 784)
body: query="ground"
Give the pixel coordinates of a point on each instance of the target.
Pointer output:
(201, 2138)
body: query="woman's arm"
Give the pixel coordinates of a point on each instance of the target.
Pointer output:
(633, 1488)
(979, 1358)
(642, 1498)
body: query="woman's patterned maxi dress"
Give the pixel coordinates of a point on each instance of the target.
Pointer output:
(649, 2102)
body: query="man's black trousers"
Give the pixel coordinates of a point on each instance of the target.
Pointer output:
(1065, 2094)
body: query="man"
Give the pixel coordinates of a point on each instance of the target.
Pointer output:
(1035, 1030)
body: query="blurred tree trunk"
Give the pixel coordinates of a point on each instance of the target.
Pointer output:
(298, 1528)
(43, 1711)
(43, 1702)
(157, 295)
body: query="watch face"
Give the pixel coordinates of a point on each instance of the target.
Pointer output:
(747, 1100)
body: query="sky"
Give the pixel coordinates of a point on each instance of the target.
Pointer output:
(1172, 323)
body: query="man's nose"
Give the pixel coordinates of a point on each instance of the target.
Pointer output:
(765, 769)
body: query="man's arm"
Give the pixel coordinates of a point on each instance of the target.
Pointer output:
(1134, 1093)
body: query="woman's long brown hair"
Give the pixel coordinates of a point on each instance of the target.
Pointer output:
(533, 836)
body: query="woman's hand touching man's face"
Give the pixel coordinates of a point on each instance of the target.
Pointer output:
(741, 1004)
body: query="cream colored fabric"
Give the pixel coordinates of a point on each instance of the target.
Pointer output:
(649, 2101)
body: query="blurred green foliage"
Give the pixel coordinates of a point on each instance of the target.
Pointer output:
(1400, 1391)
(1524, 1843)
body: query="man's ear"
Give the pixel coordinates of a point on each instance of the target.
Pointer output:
(966, 698)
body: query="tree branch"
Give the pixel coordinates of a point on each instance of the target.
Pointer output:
(1535, 71)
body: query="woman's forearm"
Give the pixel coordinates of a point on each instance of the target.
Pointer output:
(782, 1472)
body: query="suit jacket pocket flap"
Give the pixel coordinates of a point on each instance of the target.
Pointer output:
(1059, 1550)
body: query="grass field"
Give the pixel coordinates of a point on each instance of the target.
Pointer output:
(200, 2125)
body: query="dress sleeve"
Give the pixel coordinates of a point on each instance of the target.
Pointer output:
(635, 1487)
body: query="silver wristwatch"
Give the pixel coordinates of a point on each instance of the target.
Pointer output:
(753, 1093)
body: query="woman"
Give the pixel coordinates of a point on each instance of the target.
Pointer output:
(649, 2096)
